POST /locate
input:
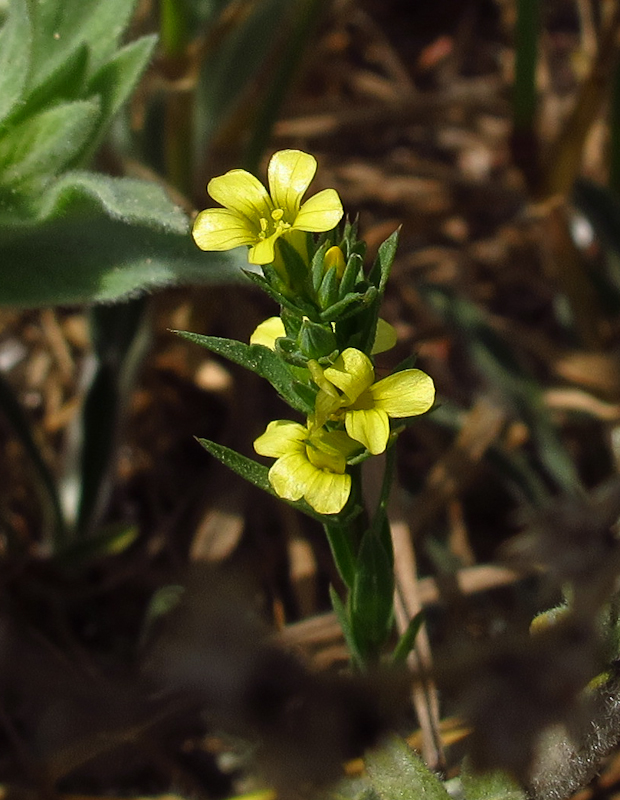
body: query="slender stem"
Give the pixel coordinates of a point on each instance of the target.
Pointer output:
(524, 91)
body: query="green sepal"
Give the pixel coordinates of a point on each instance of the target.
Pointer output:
(258, 359)
(317, 267)
(406, 643)
(350, 305)
(295, 266)
(397, 773)
(372, 604)
(298, 307)
(291, 321)
(257, 474)
(316, 341)
(353, 274)
(328, 290)
(380, 271)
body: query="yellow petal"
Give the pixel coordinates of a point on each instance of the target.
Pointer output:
(291, 476)
(290, 173)
(404, 394)
(385, 337)
(328, 492)
(219, 229)
(240, 191)
(263, 251)
(267, 332)
(352, 373)
(281, 438)
(321, 212)
(370, 427)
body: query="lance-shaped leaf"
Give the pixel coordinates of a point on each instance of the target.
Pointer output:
(42, 146)
(258, 359)
(255, 473)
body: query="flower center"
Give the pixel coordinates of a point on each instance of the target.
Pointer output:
(333, 462)
(275, 225)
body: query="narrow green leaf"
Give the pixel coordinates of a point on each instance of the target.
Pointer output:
(235, 62)
(258, 359)
(112, 540)
(406, 643)
(42, 146)
(380, 271)
(372, 603)
(328, 290)
(342, 552)
(397, 773)
(11, 409)
(15, 46)
(255, 473)
(121, 335)
(317, 267)
(349, 306)
(343, 619)
(353, 273)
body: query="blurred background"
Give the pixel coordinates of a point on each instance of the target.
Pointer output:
(490, 131)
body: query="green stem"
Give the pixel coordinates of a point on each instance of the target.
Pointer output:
(524, 90)
(173, 27)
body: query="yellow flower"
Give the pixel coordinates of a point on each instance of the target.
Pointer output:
(273, 328)
(254, 217)
(347, 389)
(309, 464)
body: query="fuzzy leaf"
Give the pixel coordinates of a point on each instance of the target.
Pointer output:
(117, 77)
(44, 145)
(397, 773)
(493, 785)
(15, 45)
(62, 26)
(98, 239)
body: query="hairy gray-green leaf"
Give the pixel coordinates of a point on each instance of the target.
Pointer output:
(114, 81)
(397, 773)
(98, 239)
(62, 26)
(44, 145)
(494, 785)
(15, 44)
